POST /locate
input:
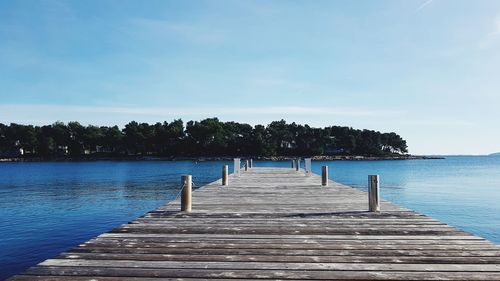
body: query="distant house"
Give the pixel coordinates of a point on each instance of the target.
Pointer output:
(62, 150)
(104, 149)
(18, 152)
(329, 150)
(288, 144)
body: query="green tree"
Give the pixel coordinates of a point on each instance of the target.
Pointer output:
(208, 136)
(134, 138)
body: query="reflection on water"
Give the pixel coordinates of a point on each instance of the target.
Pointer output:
(48, 207)
(461, 191)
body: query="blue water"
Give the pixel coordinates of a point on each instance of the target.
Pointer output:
(49, 207)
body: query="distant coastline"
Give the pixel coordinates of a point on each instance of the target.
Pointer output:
(221, 158)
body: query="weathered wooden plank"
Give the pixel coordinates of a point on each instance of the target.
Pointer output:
(298, 236)
(350, 252)
(242, 240)
(282, 258)
(274, 265)
(291, 224)
(290, 214)
(296, 246)
(261, 274)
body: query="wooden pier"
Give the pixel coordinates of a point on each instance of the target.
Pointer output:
(276, 223)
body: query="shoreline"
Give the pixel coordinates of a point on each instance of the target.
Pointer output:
(221, 158)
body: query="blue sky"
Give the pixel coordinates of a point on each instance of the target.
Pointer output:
(428, 70)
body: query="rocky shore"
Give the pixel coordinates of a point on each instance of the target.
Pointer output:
(264, 158)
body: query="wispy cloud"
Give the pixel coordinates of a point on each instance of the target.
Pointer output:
(492, 36)
(423, 5)
(192, 32)
(43, 114)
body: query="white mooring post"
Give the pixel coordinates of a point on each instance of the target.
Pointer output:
(251, 163)
(293, 163)
(237, 163)
(308, 166)
(187, 186)
(247, 163)
(225, 178)
(324, 176)
(373, 193)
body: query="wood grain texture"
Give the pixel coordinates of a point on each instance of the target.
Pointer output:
(277, 224)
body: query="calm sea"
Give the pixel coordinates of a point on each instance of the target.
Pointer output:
(49, 207)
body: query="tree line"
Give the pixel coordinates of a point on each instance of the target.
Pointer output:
(205, 138)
